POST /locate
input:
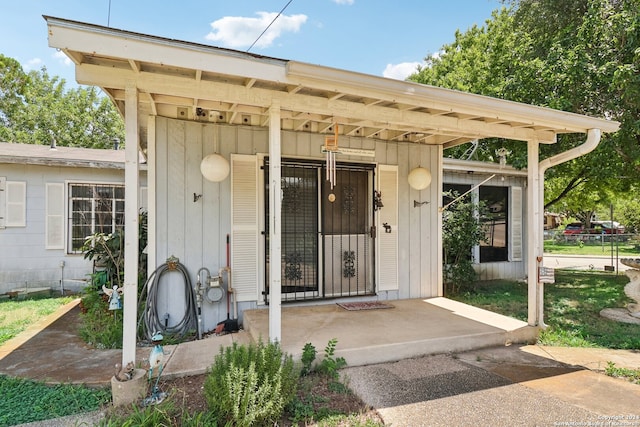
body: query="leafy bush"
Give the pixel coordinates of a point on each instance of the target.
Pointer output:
(308, 357)
(330, 364)
(249, 385)
(101, 327)
(461, 231)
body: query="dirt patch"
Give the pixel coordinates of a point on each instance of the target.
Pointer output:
(316, 395)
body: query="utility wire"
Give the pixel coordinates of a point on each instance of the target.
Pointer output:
(270, 24)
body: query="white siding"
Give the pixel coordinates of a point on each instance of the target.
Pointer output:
(31, 255)
(3, 201)
(195, 231)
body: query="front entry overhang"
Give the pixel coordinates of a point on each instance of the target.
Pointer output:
(198, 82)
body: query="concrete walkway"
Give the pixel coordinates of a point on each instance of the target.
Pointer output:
(475, 384)
(499, 386)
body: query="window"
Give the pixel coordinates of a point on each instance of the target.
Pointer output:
(94, 208)
(495, 246)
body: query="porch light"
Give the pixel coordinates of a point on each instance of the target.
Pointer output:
(214, 168)
(419, 178)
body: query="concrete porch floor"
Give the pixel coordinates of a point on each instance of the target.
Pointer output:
(413, 327)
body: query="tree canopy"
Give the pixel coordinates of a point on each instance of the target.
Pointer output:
(581, 56)
(36, 108)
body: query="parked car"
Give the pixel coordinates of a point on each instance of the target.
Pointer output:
(606, 227)
(574, 228)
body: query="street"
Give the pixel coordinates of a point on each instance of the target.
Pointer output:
(579, 262)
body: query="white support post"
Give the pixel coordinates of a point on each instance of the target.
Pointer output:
(131, 204)
(534, 238)
(275, 204)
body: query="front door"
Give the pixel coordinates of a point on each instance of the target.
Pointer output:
(327, 244)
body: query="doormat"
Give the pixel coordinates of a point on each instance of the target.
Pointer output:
(372, 305)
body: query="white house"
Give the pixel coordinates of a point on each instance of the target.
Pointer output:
(340, 225)
(50, 200)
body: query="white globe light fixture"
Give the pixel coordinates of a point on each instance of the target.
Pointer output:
(419, 178)
(214, 168)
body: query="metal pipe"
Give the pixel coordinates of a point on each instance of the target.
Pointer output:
(592, 141)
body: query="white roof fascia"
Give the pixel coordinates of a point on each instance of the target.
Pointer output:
(76, 36)
(446, 99)
(473, 166)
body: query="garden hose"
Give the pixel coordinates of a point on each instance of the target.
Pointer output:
(150, 318)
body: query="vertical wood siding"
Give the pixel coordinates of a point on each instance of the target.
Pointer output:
(196, 231)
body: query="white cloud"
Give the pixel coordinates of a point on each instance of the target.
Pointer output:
(349, 2)
(64, 59)
(238, 31)
(401, 71)
(32, 64)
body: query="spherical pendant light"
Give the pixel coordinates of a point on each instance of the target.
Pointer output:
(419, 178)
(214, 168)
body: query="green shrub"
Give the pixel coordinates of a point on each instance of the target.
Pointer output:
(330, 364)
(249, 385)
(100, 327)
(308, 357)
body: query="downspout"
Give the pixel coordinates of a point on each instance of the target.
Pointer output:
(592, 141)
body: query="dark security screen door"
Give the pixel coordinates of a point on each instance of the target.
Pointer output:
(326, 242)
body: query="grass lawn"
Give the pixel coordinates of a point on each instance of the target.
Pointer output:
(17, 315)
(572, 308)
(594, 247)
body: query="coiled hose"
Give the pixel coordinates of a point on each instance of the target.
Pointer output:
(150, 318)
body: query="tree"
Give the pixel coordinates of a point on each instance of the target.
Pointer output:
(35, 108)
(575, 55)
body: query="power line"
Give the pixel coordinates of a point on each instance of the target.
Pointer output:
(268, 26)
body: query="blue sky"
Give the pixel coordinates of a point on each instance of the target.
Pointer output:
(370, 36)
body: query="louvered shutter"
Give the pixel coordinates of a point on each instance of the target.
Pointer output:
(54, 227)
(387, 262)
(244, 226)
(16, 204)
(516, 224)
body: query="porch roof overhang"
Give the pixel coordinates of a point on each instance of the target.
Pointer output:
(199, 82)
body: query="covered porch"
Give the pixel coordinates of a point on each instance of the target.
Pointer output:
(184, 102)
(409, 328)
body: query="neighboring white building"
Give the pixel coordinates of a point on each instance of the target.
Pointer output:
(50, 200)
(503, 189)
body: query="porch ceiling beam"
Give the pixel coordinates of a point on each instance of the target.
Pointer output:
(186, 88)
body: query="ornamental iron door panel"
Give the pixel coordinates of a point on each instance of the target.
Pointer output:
(327, 250)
